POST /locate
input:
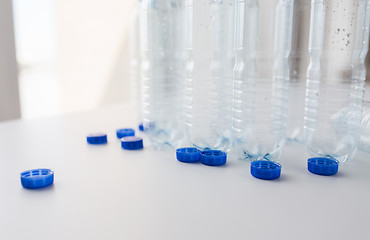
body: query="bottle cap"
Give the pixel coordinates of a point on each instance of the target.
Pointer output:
(322, 166)
(37, 178)
(265, 170)
(141, 127)
(97, 138)
(132, 143)
(213, 157)
(188, 155)
(125, 132)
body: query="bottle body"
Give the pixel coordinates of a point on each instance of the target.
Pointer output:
(261, 78)
(365, 132)
(210, 62)
(298, 63)
(135, 63)
(162, 70)
(336, 77)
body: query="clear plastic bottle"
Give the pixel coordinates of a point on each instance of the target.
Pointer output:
(261, 78)
(135, 62)
(365, 133)
(336, 77)
(299, 60)
(163, 70)
(210, 55)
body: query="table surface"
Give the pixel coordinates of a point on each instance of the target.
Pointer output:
(105, 192)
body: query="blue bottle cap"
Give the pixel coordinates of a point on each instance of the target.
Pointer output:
(322, 166)
(265, 170)
(37, 178)
(141, 127)
(132, 143)
(97, 138)
(213, 157)
(188, 155)
(125, 132)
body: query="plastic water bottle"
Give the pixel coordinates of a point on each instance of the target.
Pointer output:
(298, 63)
(134, 71)
(365, 133)
(210, 62)
(261, 78)
(163, 70)
(336, 79)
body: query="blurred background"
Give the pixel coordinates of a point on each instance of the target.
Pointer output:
(64, 56)
(70, 55)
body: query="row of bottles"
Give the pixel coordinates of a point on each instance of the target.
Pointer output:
(224, 74)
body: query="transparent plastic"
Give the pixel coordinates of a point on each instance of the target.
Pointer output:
(210, 62)
(365, 133)
(336, 77)
(163, 70)
(261, 78)
(299, 60)
(135, 61)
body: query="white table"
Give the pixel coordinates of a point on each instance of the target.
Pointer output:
(104, 192)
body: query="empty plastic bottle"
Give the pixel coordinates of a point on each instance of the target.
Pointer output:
(299, 60)
(336, 78)
(163, 70)
(135, 60)
(210, 62)
(365, 133)
(261, 78)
